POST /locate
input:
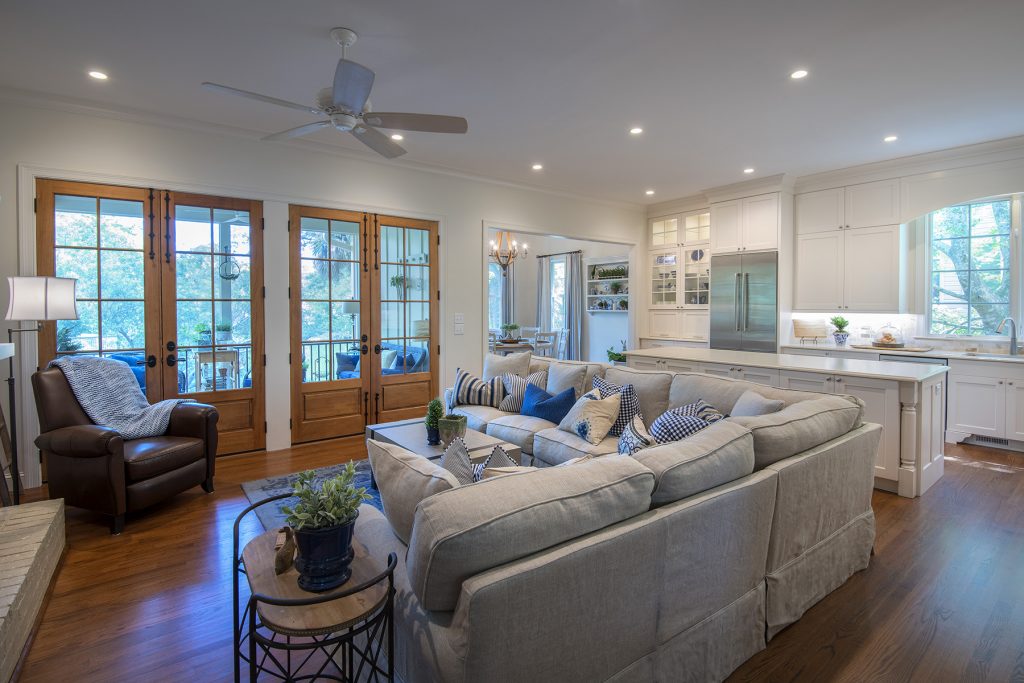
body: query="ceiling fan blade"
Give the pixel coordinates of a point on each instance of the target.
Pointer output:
(427, 123)
(377, 141)
(352, 85)
(299, 130)
(216, 87)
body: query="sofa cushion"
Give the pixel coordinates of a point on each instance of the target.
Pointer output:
(460, 533)
(496, 365)
(676, 424)
(635, 437)
(592, 417)
(553, 447)
(652, 388)
(477, 417)
(473, 391)
(717, 455)
(515, 389)
(539, 403)
(800, 426)
(723, 393)
(593, 369)
(629, 406)
(156, 455)
(752, 404)
(403, 480)
(562, 376)
(518, 429)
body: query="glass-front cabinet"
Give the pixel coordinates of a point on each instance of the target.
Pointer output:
(664, 278)
(679, 267)
(665, 232)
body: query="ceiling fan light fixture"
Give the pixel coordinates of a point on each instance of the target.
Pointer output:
(397, 137)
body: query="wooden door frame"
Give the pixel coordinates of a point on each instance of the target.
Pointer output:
(228, 443)
(302, 432)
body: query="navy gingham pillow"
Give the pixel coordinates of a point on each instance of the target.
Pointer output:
(629, 405)
(674, 425)
(702, 409)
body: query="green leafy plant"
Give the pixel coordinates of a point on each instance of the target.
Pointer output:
(840, 323)
(333, 503)
(616, 356)
(223, 327)
(202, 329)
(616, 272)
(67, 336)
(509, 329)
(398, 281)
(435, 409)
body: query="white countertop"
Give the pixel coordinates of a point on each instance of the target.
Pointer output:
(903, 372)
(934, 353)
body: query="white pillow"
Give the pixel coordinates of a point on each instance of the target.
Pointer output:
(510, 364)
(753, 404)
(387, 358)
(592, 417)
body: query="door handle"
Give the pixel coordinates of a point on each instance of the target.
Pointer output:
(171, 346)
(172, 360)
(746, 301)
(376, 349)
(150, 362)
(739, 301)
(365, 349)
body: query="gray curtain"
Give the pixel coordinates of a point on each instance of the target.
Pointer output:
(574, 305)
(544, 293)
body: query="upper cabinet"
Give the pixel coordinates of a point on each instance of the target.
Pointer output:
(664, 232)
(684, 229)
(856, 206)
(748, 224)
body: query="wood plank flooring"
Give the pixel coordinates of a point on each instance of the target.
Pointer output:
(943, 599)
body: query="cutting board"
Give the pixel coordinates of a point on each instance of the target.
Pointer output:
(911, 349)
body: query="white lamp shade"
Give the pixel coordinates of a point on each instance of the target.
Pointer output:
(41, 298)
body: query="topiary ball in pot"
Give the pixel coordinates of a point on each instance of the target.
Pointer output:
(323, 520)
(435, 409)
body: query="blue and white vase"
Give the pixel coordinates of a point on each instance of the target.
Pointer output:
(840, 338)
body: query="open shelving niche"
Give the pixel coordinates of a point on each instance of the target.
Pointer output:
(608, 286)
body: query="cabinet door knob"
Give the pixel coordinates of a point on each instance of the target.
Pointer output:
(1000, 381)
(847, 227)
(1010, 383)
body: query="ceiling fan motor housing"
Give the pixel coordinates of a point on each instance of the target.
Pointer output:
(344, 122)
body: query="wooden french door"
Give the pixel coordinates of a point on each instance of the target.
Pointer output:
(158, 273)
(363, 320)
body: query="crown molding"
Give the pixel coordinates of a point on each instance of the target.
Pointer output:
(695, 202)
(994, 151)
(780, 182)
(42, 100)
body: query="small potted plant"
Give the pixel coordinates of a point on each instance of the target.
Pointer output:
(451, 426)
(204, 334)
(435, 409)
(840, 335)
(223, 332)
(510, 330)
(323, 520)
(399, 282)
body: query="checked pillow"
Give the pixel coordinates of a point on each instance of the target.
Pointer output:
(629, 406)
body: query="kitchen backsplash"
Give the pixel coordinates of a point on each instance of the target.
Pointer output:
(864, 325)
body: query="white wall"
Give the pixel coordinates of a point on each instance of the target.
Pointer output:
(40, 139)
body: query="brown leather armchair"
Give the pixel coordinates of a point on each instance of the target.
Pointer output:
(91, 467)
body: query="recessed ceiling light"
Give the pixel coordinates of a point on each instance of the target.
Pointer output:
(98, 75)
(397, 136)
(798, 74)
(890, 138)
(538, 167)
(636, 130)
(648, 192)
(748, 171)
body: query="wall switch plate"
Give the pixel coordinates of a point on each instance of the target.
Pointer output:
(459, 318)
(460, 328)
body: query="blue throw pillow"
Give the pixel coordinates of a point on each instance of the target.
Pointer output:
(539, 403)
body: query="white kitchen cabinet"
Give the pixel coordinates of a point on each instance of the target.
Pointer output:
(850, 270)
(647, 343)
(664, 278)
(871, 204)
(1015, 409)
(819, 271)
(806, 381)
(726, 224)
(643, 363)
(664, 322)
(680, 366)
(821, 211)
(663, 364)
(695, 324)
(717, 370)
(664, 231)
(764, 376)
(977, 405)
(871, 270)
(760, 220)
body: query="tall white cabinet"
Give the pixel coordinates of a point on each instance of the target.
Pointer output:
(678, 280)
(747, 224)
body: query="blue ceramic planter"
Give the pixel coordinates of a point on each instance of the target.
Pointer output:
(840, 338)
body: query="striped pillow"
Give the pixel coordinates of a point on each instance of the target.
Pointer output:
(629, 407)
(456, 461)
(497, 458)
(515, 389)
(470, 390)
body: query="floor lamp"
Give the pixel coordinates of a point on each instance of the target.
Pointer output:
(40, 299)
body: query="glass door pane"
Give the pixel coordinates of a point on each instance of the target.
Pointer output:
(664, 279)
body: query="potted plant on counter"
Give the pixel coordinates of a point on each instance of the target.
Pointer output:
(840, 335)
(435, 409)
(451, 426)
(323, 520)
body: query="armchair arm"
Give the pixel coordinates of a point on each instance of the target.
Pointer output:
(196, 420)
(81, 441)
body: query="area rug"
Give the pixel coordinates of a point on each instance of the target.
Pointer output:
(270, 514)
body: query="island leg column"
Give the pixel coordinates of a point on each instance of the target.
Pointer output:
(909, 418)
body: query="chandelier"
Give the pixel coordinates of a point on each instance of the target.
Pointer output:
(505, 250)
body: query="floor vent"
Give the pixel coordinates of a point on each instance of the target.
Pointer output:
(991, 440)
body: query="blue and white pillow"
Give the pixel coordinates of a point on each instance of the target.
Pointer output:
(702, 409)
(515, 389)
(635, 437)
(497, 458)
(473, 391)
(629, 407)
(675, 425)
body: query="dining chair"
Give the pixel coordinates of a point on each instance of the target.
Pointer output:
(529, 333)
(492, 339)
(563, 336)
(545, 343)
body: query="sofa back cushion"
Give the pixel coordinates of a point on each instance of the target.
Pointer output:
(403, 480)
(462, 532)
(512, 363)
(542, 363)
(652, 388)
(800, 426)
(714, 456)
(723, 393)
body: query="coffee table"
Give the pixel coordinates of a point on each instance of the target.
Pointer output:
(412, 436)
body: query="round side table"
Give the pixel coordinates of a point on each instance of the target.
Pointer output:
(345, 634)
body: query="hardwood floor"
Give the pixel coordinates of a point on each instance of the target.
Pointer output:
(943, 599)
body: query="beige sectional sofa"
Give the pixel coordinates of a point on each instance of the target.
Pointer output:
(676, 564)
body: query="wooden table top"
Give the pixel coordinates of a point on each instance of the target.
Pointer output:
(412, 436)
(321, 618)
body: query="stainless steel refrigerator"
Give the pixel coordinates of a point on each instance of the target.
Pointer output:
(745, 302)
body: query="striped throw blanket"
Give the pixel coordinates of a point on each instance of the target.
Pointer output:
(111, 397)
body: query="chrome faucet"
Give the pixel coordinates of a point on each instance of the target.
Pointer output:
(1013, 334)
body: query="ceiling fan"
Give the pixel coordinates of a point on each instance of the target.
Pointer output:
(347, 108)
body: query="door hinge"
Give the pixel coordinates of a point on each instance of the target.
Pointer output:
(290, 425)
(289, 225)
(264, 426)
(264, 292)
(264, 360)
(289, 292)
(438, 239)
(289, 359)
(439, 295)
(35, 205)
(439, 349)
(263, 223)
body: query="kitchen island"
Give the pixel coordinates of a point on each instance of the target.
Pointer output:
(907, 399)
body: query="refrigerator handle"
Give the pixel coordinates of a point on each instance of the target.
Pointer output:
(738, 306)
(746, 301)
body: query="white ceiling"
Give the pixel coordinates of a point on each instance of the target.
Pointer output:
(560, 82)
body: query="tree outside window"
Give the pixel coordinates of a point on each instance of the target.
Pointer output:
(558, 293)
